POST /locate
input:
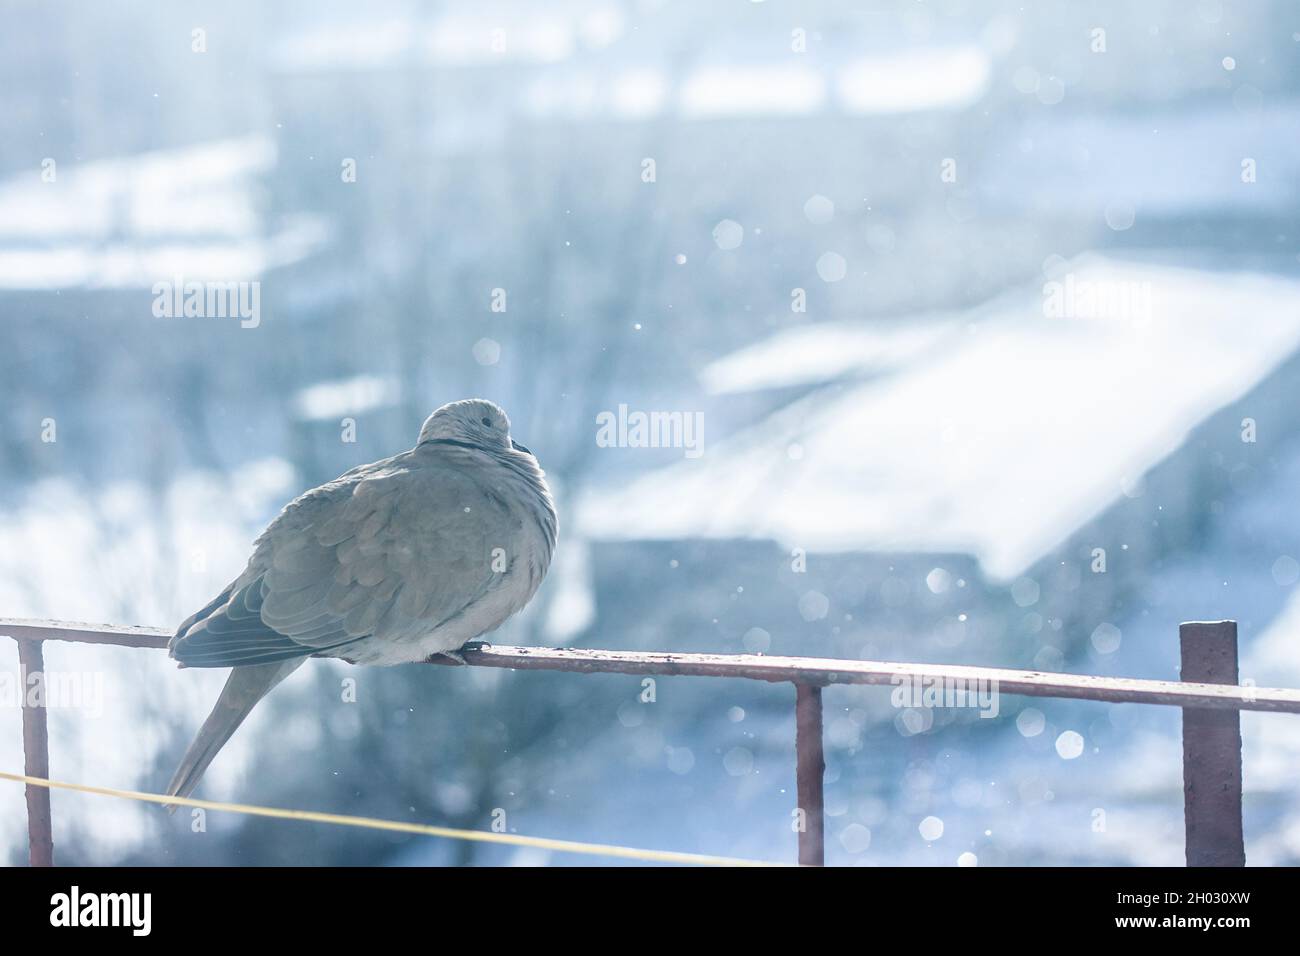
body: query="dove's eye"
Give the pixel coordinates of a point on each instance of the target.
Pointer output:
(487, 422)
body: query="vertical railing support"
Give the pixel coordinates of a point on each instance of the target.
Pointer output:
(1211, 750)
(810, 772)
(36, 755)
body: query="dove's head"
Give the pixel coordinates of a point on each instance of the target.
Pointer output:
(474, 421)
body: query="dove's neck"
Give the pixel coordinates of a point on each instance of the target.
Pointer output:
(455, 442)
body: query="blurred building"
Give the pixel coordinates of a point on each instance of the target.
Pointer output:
(83, 249)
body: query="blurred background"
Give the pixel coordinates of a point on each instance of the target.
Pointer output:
(990, 312)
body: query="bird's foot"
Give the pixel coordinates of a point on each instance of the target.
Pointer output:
(458, 655)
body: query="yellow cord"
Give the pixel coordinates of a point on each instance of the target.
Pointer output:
(480, 836)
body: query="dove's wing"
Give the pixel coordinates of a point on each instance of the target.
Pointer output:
(383, 553)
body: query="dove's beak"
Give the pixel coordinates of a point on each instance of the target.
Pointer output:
(518, 447)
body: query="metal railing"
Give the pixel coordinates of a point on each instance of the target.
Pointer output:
(1208, 695)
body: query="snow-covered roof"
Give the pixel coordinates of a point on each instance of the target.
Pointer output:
(132, 221)
(911, 81)
(458, 39)
(326, 401)
(998, 438)
(589, 72)
(807, 355)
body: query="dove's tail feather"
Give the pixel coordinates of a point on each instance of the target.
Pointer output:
(244, 688)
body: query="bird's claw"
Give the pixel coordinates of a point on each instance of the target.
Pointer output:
(458, 655)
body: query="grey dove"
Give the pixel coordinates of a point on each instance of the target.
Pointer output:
(391, 562)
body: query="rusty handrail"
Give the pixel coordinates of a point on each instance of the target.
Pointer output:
(799, 670)
(1202, 646)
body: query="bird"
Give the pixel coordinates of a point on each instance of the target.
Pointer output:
(392, 562)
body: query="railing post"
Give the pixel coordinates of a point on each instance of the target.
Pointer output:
(810, 772)
(36, 756)
(1211, 750)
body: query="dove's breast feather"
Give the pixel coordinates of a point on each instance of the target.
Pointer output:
(391, 562)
